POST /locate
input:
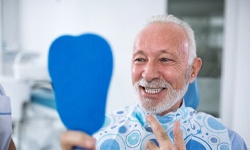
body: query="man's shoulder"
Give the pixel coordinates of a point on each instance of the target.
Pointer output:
(237, 141)
(209, 123)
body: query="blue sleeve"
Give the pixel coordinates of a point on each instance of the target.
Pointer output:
(236, 141)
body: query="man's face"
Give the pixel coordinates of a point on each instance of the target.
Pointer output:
(160, 72)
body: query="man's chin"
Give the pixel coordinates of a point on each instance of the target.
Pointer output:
(156, 108)
(153, 111)
(151, 108)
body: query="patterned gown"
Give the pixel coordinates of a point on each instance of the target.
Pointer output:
(127, 129)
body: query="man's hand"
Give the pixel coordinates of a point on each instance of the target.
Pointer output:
(70, 139)
(162, 138)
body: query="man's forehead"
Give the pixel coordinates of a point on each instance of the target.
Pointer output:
(163, 37)
(155, 52)
(162, 30)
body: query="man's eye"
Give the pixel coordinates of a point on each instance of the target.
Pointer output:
(165, 60)
(139, 59)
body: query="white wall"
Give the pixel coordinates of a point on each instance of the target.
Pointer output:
(235, 100)
(42, 21)
(10, 23)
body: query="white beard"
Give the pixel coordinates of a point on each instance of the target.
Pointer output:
(172, 96)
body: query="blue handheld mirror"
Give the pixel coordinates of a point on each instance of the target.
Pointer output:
(80, 68)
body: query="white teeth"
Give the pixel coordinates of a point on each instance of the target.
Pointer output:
(153, 91)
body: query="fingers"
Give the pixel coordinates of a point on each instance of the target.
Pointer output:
(150, 145)
(178, 138)
(159, 132)
(162, 137)
(69, 139)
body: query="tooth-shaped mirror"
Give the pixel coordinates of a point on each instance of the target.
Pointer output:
(80, 68)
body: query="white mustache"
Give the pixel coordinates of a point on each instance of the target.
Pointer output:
(156, 83)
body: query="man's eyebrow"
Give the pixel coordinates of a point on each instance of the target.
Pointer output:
(164, 51)
(139, 52)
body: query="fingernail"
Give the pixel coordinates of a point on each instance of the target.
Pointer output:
(148, 117)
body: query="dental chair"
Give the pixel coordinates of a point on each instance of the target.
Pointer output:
(192, 97)
(81, 68)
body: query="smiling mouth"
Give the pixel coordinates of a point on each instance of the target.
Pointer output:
(152, 90)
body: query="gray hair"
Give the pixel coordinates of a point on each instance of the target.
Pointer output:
(186, 27)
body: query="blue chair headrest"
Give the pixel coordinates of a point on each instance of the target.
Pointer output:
(192, 97)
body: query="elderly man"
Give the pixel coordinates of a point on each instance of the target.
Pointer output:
(164, 62)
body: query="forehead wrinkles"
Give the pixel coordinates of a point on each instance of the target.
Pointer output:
(161, 36)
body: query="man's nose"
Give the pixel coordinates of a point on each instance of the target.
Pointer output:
(151, 72)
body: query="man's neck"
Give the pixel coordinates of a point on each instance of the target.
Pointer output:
(176, 106)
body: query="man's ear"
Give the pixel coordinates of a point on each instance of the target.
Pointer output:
(195, 68)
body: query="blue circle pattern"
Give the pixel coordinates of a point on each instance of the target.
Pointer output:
(122, 129)
(214, 140)
(214, 124)
(110, 144)
(224, 147)
(132, 128)
(133, 139)
(192, 144)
